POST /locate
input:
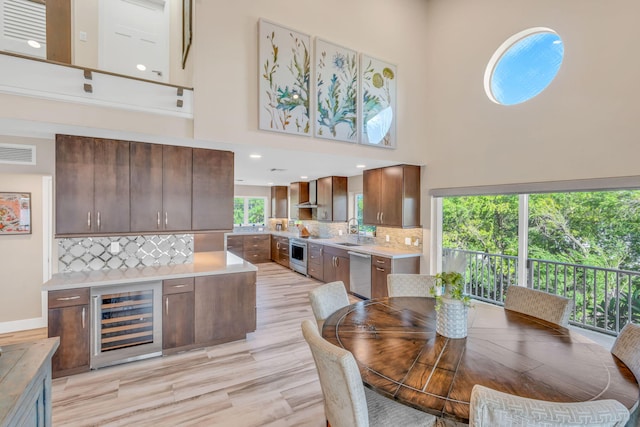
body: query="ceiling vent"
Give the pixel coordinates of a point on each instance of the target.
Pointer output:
(277, 170)
(18, 154)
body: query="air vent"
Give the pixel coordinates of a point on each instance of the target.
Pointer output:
(277, 170)
(18, 154)
(25, 20)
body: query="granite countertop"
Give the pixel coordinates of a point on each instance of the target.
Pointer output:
(384, 251)
(204, 264)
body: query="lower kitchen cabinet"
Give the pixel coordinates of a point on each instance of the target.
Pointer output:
(335, 263)
(381, 267)
(178, 301)
(235, 245)
(315, 266)
(225, 307)
(257, 248)
(68, 318)
(280, 250)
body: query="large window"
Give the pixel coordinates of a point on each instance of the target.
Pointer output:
(358, 206)
(249, 211)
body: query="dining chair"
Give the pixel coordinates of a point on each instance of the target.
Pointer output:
(543, 305)
(326, 299)
(492, 408)
(627, 348)
(347, 403)
(410, 285)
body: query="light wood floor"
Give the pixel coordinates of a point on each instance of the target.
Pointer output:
(267, 380)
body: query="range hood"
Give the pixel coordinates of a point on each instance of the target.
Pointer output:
(305, 205)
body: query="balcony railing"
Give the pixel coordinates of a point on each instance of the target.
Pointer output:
(604, 299)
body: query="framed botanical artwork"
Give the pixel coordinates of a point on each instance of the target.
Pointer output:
(284, 84)
(378, 98)
(336, 76)
(15, 213)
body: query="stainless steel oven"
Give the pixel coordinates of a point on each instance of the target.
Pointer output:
(298, 255)
(127, 323)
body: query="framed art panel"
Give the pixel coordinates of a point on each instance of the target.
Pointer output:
(285, 74)
(187, 24)
(378, 100)
(336, 75)
(15, 213)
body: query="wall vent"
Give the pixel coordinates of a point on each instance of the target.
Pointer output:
(18, 154)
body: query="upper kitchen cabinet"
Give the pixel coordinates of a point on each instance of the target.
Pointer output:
(332, 198)
(299, 193)
(160, 187)
(92, 185)
(212, 190)
(391, 196)
(279, 201)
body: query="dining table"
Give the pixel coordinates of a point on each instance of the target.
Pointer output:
(400, 355)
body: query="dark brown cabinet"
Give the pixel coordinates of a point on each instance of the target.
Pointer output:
(257, 248)
(280, 250)
(178, 301)
(225, 307)
(212, 190)
(161, 177)
(92, 185)
(279, 203)
(235, 245)
(332, 199)
(315, 264)
(68, 318)
(299, 193)
(391, 196)
(381, 267)
(336, 265)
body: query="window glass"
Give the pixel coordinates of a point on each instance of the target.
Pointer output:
(359, 214)
(524, 66)
(249, 211)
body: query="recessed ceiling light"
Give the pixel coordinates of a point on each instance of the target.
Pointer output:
(269, 183)
(255, 156)
(34, 44)
(141, 67)
(304, 177)
(361, 166)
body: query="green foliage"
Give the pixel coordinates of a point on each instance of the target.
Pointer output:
(338, 105)
(451, 284)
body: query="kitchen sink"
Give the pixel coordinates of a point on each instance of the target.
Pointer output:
(347, 244)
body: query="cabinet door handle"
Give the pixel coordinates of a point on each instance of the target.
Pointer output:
(96, 327)
(381, 217)
(84, 315)
(166, 305)
(89, 220)
(68, 298)
(178, 286)
(98, 220)
(158, 220)
(380, 269)
(278, 245)
(166, 218)
(337, 262)
(379, 261)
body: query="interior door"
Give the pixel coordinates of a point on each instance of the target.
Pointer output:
(133, 33)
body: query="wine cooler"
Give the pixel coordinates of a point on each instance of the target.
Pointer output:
(127, 323)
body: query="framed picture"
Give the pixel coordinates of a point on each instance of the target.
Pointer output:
(378, 98)
(15, 213)
(284, 84)
(336, 107)
(187, 23)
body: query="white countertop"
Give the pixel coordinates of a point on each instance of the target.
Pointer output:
(363, 249)
(204, 264)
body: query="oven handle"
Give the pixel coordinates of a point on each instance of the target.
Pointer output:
(96, 325)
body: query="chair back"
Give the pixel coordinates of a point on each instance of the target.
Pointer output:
(345, 403)
(552, 308)
(627, 348)
(492, 408)
(410, 285)
(327, 299)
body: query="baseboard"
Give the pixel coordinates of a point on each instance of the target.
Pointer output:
(22, 325)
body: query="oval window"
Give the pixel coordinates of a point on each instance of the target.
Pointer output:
(523, 66)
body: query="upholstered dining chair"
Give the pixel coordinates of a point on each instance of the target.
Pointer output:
(347, 403)
(410, 285)
(552, 308)
(492, 408)
(627, 348)
(326, 299)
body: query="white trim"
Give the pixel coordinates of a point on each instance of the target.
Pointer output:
(47, 227)
(523, 238)
(25, 324)
(435, 257)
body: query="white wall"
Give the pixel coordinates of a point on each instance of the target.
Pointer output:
(226, 66)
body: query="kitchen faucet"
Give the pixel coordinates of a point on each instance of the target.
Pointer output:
(350, 228)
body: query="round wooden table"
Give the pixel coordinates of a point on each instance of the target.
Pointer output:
(400, 356)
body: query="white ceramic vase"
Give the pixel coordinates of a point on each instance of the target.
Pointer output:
(451, 318)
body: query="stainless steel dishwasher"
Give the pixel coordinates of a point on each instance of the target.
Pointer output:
(360, 274)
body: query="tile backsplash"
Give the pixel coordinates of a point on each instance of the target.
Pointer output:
(94, 253)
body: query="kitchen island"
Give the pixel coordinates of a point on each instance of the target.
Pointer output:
(107, 317)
